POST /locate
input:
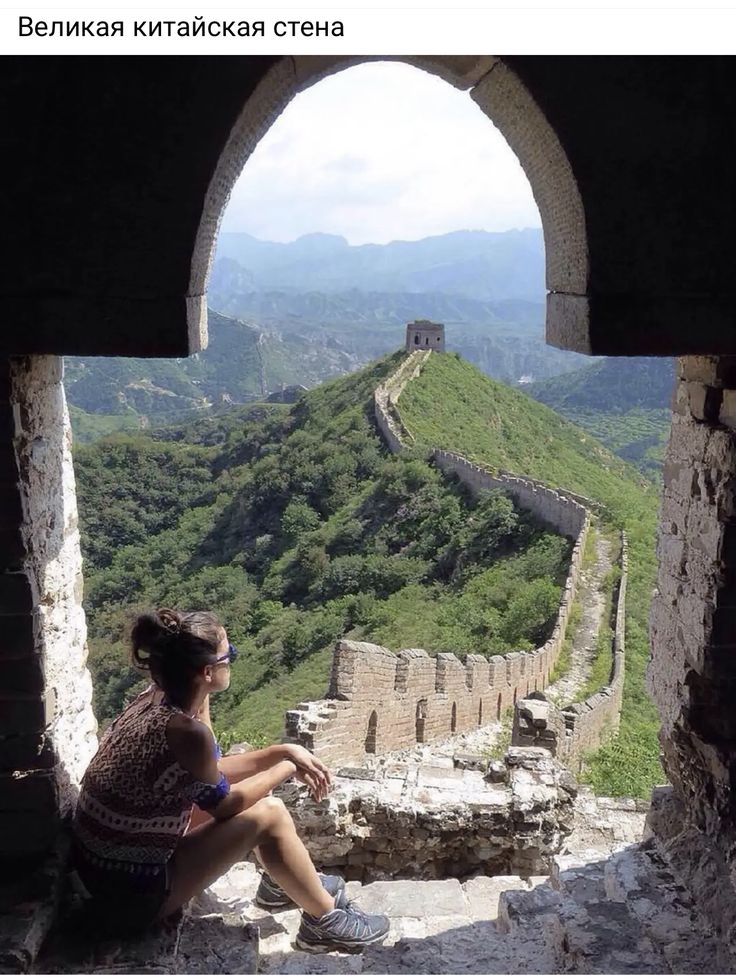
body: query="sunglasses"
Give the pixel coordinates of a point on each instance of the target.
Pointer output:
(232, 654)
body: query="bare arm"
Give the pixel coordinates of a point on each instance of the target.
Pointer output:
(310, 769)
(237, 766)
(193, 745)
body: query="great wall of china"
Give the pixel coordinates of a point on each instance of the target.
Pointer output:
(379, 701)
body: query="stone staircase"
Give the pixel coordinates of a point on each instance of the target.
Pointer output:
(597, 913)
(620, 913)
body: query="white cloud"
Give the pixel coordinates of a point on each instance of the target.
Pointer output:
(378, 152)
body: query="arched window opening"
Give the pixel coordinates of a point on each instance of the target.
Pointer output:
(420, 720)
(480, 713)
(370, 739)
(416, 340)
(453, 718)
(426, 340)
(515, 691)
(498, 706)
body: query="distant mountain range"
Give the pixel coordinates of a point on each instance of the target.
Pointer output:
(476, 264)
(299, 313)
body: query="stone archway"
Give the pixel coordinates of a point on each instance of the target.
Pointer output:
(501, 96)
(627, 273)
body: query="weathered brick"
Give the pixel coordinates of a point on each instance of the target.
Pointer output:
(704, 401)
(31, 752)
(36, 791)
(20, 714)
(25, 675)
(16, 593)
(12, 549)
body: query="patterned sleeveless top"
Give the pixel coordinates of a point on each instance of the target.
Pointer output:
(136, 799)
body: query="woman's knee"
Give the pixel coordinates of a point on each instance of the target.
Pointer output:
(270, 813)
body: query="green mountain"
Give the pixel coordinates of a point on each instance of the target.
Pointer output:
(241, 364)
(298, 313)
(452, 405)
(298, 527)
(622, 401)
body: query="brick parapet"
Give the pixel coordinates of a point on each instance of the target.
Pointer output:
(581, 726)
(413, 693)
(561, 510)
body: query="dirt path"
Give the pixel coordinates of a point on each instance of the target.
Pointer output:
(592, 601)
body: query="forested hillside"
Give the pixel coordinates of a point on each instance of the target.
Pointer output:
(622, 401)
(298, 528)
(452, 405)
(240, 364)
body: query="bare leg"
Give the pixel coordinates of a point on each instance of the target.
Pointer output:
(206, 852)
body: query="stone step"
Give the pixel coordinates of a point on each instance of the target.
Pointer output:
(218, 943)
(523, 919)
(590, 933)
(638, 877)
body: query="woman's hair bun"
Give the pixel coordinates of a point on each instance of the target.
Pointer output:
(170, 620)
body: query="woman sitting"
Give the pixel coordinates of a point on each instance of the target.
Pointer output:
(139, 851)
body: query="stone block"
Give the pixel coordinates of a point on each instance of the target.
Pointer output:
(16, 593)
(716, 371)
(32, 752)
(409, 898)
(727, 412)
(24, 834)
(12, 549)
(23, 675)
(704, 401)
(20, 714)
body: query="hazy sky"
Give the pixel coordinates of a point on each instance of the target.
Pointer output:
(378, 152)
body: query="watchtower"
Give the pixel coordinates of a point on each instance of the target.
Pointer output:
(423, 334)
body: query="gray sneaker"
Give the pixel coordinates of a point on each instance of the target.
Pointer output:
(270, 895)
(346, 928)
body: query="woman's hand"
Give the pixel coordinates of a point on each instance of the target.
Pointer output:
(309, 770)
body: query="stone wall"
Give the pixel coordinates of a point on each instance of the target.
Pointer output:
(430, 822)
(558, 509)
(47, 728)
(386, 396)
(564, 511)
(571, 732)
(379, 701)
(692, 672)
